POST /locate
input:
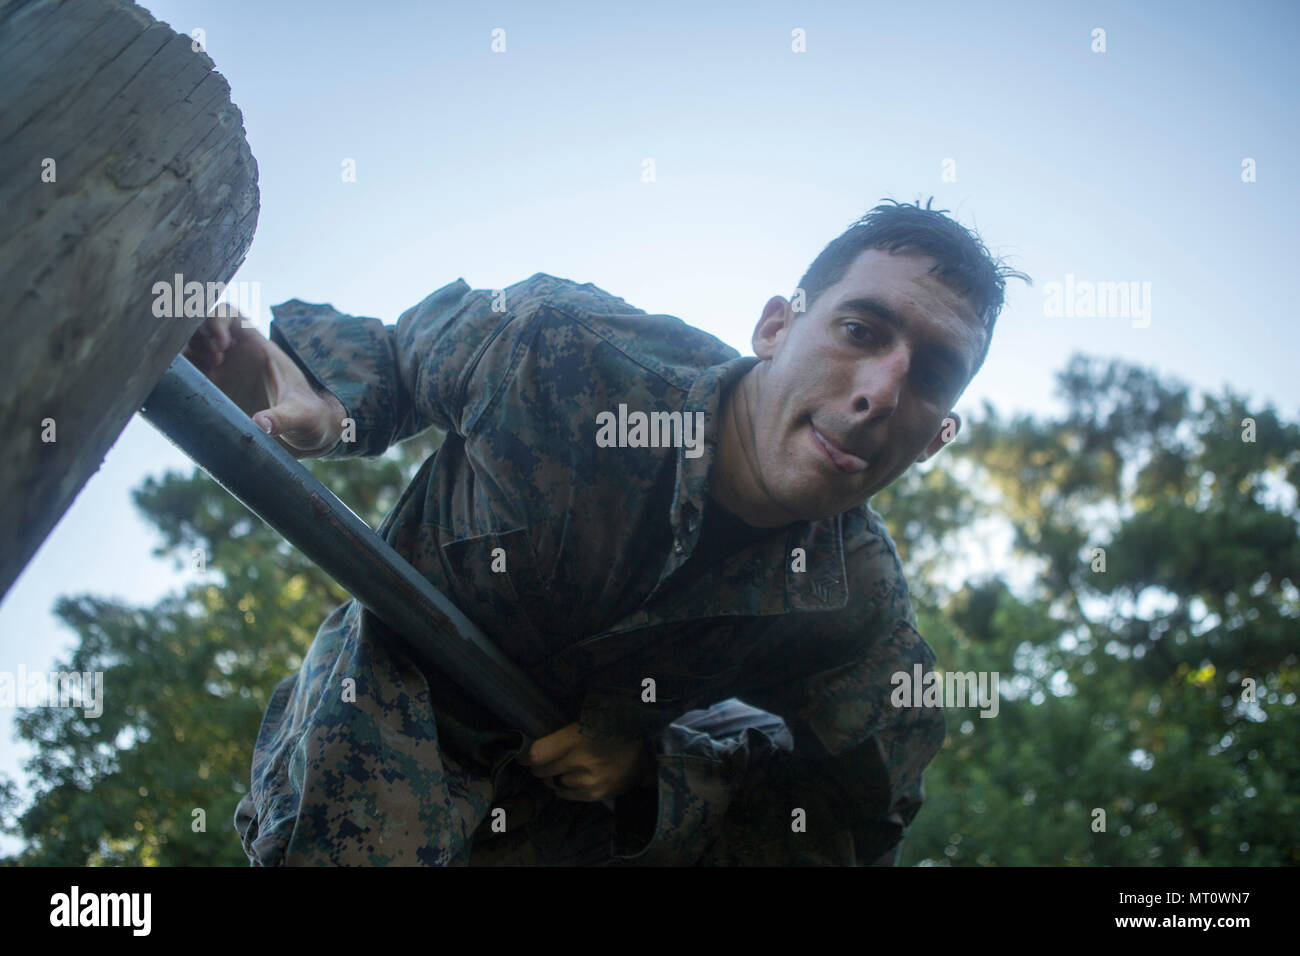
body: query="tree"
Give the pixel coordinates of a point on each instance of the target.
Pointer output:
(1163, 540)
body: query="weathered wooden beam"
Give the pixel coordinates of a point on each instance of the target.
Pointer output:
(123, 163)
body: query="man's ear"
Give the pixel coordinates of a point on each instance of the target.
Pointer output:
(772, 326)
(947, 432)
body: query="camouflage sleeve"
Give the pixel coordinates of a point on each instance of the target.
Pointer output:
(845, 794)
(394, 381)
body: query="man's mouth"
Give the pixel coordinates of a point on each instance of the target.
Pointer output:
(842, 459)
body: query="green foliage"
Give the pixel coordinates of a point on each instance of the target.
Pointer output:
(1121, 689)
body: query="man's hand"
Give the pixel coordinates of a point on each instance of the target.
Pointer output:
(579, 768)
(264, 382)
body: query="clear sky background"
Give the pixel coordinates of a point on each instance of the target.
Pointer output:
(1117, 166)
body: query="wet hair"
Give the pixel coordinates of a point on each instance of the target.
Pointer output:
(962, 261)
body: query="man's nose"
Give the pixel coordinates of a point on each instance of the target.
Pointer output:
(880, 383)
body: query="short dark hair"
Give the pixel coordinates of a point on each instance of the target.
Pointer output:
(963, 262)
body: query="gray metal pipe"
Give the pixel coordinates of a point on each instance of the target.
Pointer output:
(219, 437)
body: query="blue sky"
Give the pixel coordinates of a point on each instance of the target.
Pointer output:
(1122, 166)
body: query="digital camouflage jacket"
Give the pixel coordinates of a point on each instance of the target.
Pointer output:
(808, 623)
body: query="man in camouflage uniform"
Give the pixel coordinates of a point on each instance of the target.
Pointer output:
(662, 578)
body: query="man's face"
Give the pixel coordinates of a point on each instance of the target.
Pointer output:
(855, 390)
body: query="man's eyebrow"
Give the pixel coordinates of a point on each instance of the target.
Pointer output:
(870, 305)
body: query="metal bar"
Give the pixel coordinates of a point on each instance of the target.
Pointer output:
(213, 431)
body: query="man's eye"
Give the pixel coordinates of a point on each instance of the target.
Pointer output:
(860, 332)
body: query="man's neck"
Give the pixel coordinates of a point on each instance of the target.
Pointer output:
(733, 482)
